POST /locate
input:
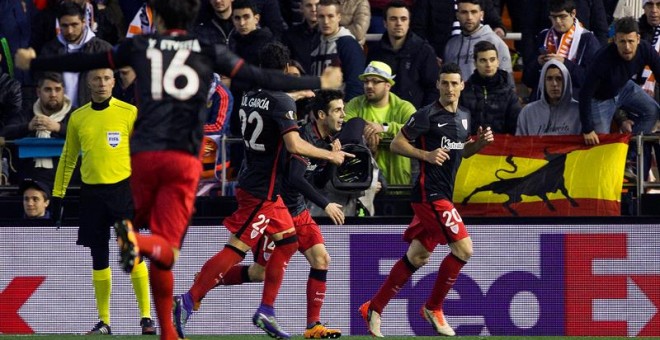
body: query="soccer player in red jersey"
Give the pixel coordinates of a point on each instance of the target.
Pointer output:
(437, 136)
(329, 118)
(268, 125)
(173, 70)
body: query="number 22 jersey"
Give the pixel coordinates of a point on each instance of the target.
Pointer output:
(265, 116)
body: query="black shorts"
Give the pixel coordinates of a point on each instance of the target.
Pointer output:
(101, 205)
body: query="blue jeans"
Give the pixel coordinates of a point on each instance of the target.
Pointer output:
(641, 108)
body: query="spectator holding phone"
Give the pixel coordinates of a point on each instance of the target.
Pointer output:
(568, 42)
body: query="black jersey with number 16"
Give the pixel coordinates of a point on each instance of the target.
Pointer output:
(173, 72)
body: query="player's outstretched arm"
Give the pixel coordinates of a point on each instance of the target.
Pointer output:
(229, 64)
(296, 145)
(26, 59)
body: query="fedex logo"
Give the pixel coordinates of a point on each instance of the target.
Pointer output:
(576, 291)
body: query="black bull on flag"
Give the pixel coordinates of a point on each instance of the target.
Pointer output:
(543, 176)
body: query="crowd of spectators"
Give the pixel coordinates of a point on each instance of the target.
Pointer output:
(551, 81)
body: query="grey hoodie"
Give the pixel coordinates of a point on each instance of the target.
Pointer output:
(540, 118)
(460, 50)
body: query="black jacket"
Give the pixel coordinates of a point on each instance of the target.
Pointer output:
(11, 101)
(213, 31)
(491, 102)
(415, 66)
(299, 38)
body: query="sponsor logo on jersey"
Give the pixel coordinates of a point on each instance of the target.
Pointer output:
(114, 138)
(448, 144)
(464, 122)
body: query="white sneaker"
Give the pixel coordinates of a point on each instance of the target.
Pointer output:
(372, 318)
(437, 319)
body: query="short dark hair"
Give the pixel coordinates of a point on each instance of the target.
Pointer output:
(450, 68)
(331, 3)
(321, 101)
(297, 65)
(245, 4)
(394, 4)
(52, 76)
(70, 8)
(561, 5)
(475, 2)
(483, 46)
(176, 14)
(274, 56)
(626, 25)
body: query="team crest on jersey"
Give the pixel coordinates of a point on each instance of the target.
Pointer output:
(464, 122)
(291, 115)
(114, 138)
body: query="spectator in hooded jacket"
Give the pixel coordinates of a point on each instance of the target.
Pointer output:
(411, 58)
(489, 94)
(435, 21)
(567, 41)
(74, 37)
(460, 48)
(336, 46)
(556, 112)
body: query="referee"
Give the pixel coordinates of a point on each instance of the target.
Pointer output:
(99, 131)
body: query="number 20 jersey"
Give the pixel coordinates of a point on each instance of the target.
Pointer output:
(265, 117)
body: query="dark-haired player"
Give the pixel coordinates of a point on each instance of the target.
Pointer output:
(329, 113)
(173, 70)
(437, 136)
(268, 125)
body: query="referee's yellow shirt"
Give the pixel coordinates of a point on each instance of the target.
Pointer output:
(100, 132)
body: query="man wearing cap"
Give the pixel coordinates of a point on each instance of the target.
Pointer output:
(384, 113)
(35, 199)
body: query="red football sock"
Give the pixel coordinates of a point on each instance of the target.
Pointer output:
(447, 275)
(162, 288)
(157, 249)
(284, 249)
(214, 270)
(399, 275)
(236, 275)
(316, 287)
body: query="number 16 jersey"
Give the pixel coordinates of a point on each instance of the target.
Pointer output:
(265, 116)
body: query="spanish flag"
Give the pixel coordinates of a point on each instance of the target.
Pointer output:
(543, 176)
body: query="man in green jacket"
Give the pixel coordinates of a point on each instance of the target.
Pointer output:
(385, 113)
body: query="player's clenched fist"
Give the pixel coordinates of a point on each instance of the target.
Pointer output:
(23, 58)
(437, 156)
(332, 78)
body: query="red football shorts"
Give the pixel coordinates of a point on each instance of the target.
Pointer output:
(434, 223)
(256, 217)
(309, 235)
(164, 184)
